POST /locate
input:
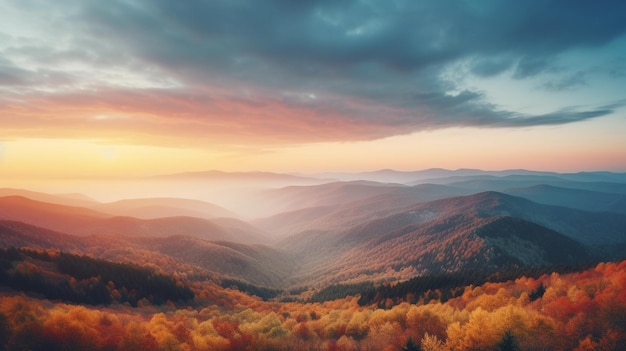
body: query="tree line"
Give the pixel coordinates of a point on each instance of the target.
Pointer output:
(86, 280)
(446, 286)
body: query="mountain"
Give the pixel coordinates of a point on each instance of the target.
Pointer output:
(575, 198)
(439, 175)
(427, 175)
(215, 175)
(256, 264)
(481, 183)
(337, 208)
(292, 198)
(591, 228)
(454, 244)
(83, 221)
(237, 191)
(18, 234)
(60, 199)
(67, 219)
(161, 227)
(150, 208)
(242, 229)
(338, 232)
(146, 208)
(487, 230)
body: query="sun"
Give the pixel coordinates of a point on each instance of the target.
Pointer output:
(108, 153)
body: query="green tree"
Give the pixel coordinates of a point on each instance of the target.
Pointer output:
(410, 345)
(537, 293)
(5, 332)
(508, 343)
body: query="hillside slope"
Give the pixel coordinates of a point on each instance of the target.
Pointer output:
(256, 264)
(488, 230)
(83, 221)
(587, 200)
(336, 216)
(151, 208)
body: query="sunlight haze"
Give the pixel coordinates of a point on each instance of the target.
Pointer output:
(143, 88)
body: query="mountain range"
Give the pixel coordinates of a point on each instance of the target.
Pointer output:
(342, 231)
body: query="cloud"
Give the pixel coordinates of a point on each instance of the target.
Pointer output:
(567, 83)
(161, 117)
(403, 35)
(295, 70)
(489, 67)
(528, 67)
(10, 75)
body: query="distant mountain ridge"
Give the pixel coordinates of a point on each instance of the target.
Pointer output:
(78, 200)
(575, 198)
(83, 221)
(426, 175)
(342, 231)
(257, 264)
(151, 208)
(482, 230)
(237, 176)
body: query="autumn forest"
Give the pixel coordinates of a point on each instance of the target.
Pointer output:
(284, 175)
(481, 261)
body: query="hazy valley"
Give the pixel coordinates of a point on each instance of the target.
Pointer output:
(258, 175)
(425, 239)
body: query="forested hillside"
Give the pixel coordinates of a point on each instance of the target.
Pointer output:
(347, 266)
(574, 311)
(82, 279)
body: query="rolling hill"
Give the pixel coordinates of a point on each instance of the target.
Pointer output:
(60, 199)
(256, 264)
(587, 200)
(488, 230)
(342, 265)
(67, 219)
(83, 221)
(455, 244)
(501, 183)
(150, 208)
(338, 232)
(325, 214)
(293, 198)
(260, 177)
(18, 234)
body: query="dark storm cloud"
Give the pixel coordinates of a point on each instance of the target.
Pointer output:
(13, 77)
(528, 67)
(400, 34)
(560, 117)
(468, 109)
(488, 67)
(570, 82)
(373, 63)
(10, 77)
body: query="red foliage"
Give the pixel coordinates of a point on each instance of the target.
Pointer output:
(578, 311)
(225, 328)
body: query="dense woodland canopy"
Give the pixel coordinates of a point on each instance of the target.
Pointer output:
(82, 279)
(572, 311)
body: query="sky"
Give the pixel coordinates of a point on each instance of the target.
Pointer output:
(133, 88)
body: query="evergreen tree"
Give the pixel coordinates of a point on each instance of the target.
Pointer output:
(508, 343)
(537, 293)
(410, 345)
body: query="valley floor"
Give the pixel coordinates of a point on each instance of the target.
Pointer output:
(576, 311)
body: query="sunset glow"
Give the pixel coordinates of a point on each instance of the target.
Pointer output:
(130, 89)
(279, 175)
